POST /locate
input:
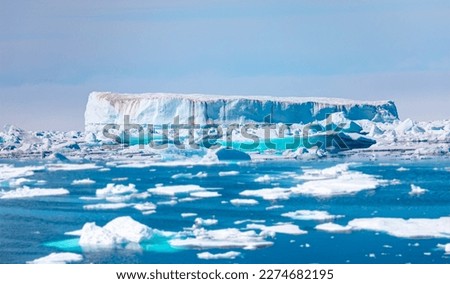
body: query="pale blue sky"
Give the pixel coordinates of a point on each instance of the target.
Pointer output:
(54, 52)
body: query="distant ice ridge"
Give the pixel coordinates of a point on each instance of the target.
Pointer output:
(365, 136)
(161, 108)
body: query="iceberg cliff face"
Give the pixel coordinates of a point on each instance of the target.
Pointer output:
(160, 108)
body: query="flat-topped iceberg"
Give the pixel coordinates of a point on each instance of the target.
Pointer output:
(161, 108)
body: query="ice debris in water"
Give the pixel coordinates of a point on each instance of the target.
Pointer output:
(118, 232)
(27, 192)
(328, 182)
(417, 190)
(397, 227)
(315, 215)
(225, 255)
(58, 258)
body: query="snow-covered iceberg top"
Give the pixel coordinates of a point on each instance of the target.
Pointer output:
(161, 108)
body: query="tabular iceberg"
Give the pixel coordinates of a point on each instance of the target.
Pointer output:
(161, 108)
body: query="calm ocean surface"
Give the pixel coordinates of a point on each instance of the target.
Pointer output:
(34, 227)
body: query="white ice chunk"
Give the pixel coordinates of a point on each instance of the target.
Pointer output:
(58, 258)
(20, 181)
(86, 181)
(172, 190)
(106, 206)
(223, 238)
(187, 215)
(205, 194)
(27, 192)
(147, 206)
(417, 190)
(199, 222)
(71, 167)
(228, 173)
(171, 202)
(9, 172)
(273, 207)
(190, 176)
(269, 193)
(93, 236)
(129, 229)
(333, 228)
(311, 215)
(410, 228)
(248, 221)
(286, 228)
(226, 255)
(405, 228)
(239, 202)
(334, 181)
(111, 189)
(120, 231)
(265, 178)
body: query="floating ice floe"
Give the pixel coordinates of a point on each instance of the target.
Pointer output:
(145, 207)
(273, 207)
(134, 165)
(315, 215)
(190, 176)
(334, 181)
(397, 227)
(248, 221)
(265, 178)
(17, 182)
(71, 167)
(239, 202)
(27, 192)
(333, 228)
(205, 194)
(187, 215)
(116, 233)
(126, 197)
(284, 228)
(228, 173)
(417, 190)
(199, 222)
(269, 193)
(188, 199)
(172, 190)
(86, 181)
(225, 255)
(10, 172)
(328, 182)
(171, 202)
(58, 258)
(222, 238)
(112, 189)
(107, 206)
